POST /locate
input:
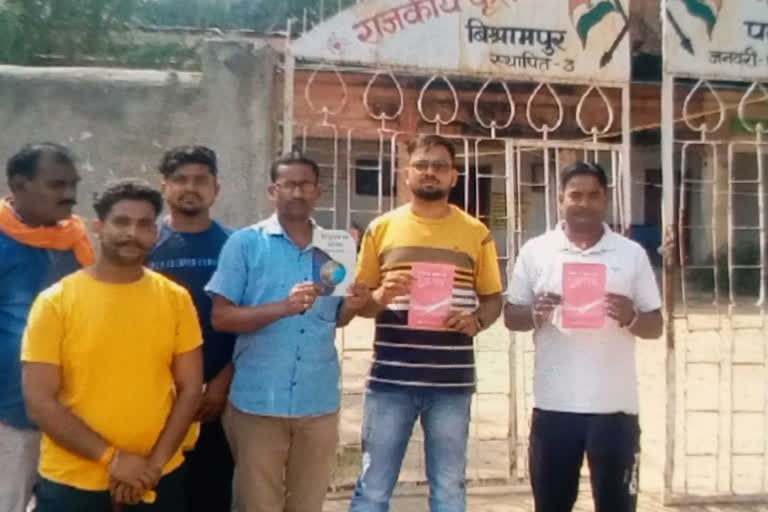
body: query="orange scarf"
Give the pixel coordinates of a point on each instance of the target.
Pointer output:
(67, 235)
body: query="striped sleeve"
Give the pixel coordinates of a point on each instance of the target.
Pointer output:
(368, 269)
(487, 274)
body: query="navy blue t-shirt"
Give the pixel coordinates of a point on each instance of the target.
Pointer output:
(190, 259)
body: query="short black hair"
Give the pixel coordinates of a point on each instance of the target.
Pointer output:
(131, 189)
(24, 161)
(190, 154)
(295, 157)
(583, 168)
(428, 141)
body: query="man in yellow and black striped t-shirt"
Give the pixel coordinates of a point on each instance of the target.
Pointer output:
(426, 372)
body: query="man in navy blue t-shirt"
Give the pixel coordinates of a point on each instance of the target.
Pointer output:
(187, 251)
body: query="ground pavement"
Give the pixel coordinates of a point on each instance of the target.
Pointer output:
(504, 500)
(703, 387)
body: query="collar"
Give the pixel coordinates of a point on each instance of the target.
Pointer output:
(605, 244)
(164, 222)
(12, 208)
(273, 227)
(8, 201)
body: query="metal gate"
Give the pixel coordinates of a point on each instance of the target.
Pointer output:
(511, 135)
(714, 193)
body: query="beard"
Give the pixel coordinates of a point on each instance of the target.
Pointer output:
(112, 254)
(190, 208)
(430, 194)
(190, 211)
(584, 219)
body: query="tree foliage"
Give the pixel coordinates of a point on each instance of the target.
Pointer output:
(33, 29)
(73, 32)
(261, 15)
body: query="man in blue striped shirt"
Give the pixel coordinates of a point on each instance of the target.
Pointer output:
(282, 420)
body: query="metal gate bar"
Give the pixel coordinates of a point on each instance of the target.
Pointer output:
(322, 133)
(687, 331)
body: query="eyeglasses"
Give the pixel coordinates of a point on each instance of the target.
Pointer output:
(439, 166)
(307, 187)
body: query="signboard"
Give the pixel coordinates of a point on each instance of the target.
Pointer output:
(565, 39)
(716, 38)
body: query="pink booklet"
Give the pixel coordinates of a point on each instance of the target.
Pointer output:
(431, 295)
(583, 295)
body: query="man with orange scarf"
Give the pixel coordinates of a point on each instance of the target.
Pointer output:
(40, 242)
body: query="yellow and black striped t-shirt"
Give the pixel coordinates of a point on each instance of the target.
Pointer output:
(428, 358)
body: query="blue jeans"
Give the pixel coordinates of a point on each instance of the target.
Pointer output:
(388, 420)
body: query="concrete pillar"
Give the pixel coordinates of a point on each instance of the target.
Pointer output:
(238, 120)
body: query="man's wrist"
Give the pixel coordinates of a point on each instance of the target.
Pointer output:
(155, 462)
(635, 316)
(216, 388)
(533, 317)
(107, 457)
(114, 461)
(479, 324)
(376, 297)
(284, 308)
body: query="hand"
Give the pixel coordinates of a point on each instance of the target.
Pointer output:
(124, 494)
(463, 321)
(395, 284)
(301, 298)
(543, 306)
(620, 308)
(215, 397)
(358, 296)
(668, 245)
(135, 471)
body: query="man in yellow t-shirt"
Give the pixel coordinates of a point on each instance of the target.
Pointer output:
(436, 282)
(113, 371)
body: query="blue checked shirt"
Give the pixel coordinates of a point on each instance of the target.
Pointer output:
(290, 367)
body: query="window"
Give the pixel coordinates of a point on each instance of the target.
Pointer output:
(457, 193)
(367, 177)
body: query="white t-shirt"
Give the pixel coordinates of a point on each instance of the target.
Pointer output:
(584, 370)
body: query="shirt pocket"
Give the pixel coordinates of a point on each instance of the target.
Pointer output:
(619, 276)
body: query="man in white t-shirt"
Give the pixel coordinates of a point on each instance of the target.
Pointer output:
(585, 389)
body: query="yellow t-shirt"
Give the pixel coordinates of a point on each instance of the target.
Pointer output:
(428, 357)
(115, 344)
(399, 238)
